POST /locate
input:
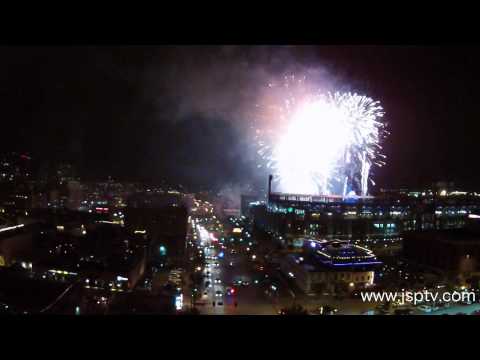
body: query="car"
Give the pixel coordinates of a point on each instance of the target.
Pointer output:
(218, 293)
(245, 283)
(218, 281)
(355, 294)
(327, 310)
(220, 303)
(217, 264)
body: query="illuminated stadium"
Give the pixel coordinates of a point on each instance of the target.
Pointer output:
(340, 253)
(374, 220)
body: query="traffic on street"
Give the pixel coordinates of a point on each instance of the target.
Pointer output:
(231, 284)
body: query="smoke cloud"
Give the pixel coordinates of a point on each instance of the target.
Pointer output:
(222, 84)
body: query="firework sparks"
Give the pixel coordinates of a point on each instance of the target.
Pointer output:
(322, 143)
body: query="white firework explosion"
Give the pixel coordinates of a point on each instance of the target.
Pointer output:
(321, 143)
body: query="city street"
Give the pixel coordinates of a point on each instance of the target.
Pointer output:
(258, 288)
(249, 299)
(235, 282)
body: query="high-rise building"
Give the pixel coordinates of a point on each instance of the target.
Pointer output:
(75, 195)
(15, 167)
(162, 220)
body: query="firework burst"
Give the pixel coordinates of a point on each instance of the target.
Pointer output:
(320, 143)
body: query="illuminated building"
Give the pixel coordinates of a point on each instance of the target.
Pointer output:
(330, 266)
(369, 219)
(65, 172)
(15, 183)
(15, 167)
(15, 242)
(247, 201)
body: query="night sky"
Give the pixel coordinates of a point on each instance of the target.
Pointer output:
(181, 113)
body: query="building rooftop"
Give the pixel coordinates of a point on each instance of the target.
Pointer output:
(13, 285)
(334, 255)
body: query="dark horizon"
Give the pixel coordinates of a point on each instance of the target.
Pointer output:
(177, 113)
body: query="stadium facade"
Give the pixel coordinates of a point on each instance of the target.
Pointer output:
(383, 218)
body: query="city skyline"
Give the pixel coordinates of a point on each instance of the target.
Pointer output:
(239, 180)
